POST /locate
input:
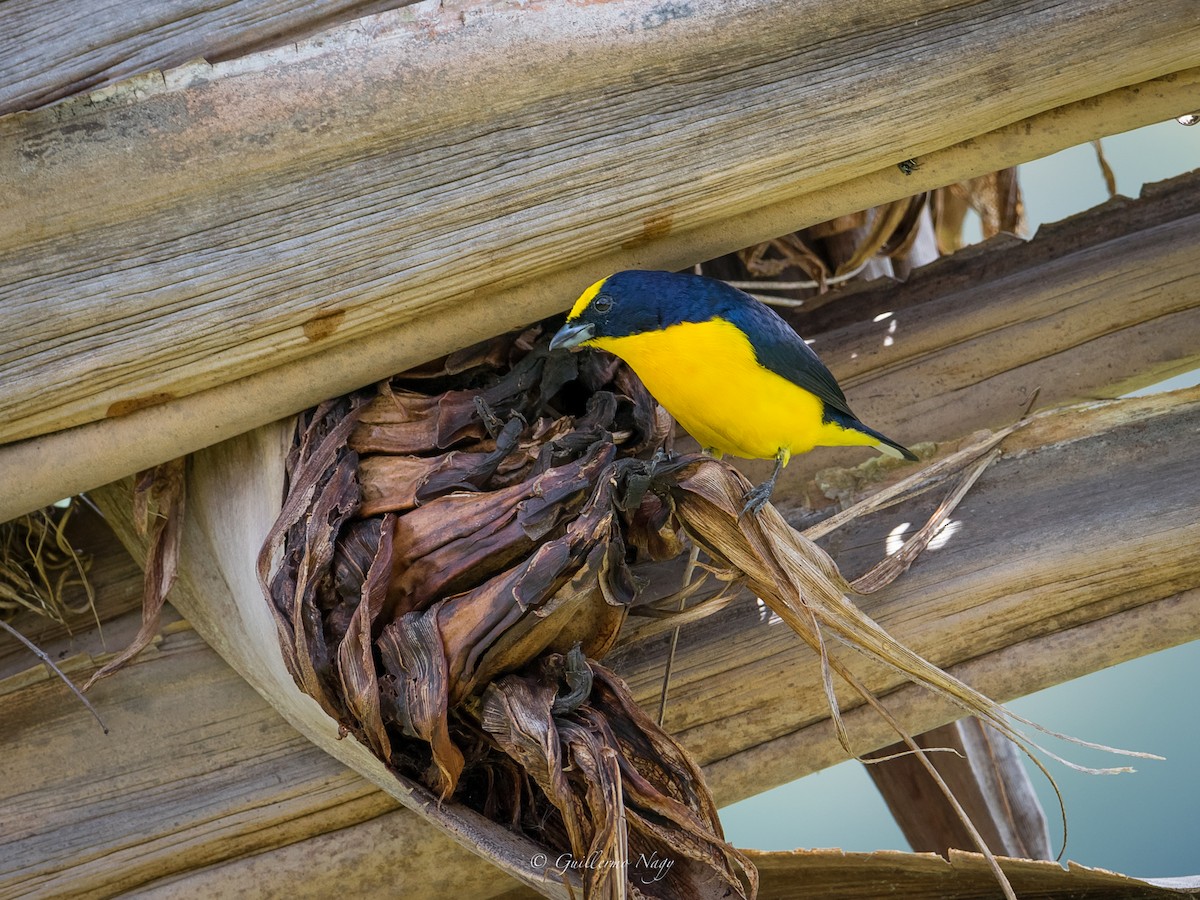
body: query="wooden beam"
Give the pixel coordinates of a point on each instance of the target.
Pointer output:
(196, 768)
(327, 231)
(987, 775)
(836, 875)
(47, 52)
(175, 697)
(198, 781)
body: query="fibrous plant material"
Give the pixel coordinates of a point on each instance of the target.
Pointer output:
(38, 565)
(834, 252)
(158, 504)
(451, 559)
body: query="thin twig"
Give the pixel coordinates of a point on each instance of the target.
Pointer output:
(795, 285)
(891, 567)
(40, 654)
(666, 686)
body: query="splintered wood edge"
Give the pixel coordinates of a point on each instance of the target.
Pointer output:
(843, 875)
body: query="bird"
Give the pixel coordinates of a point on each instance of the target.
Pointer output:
(734, 374)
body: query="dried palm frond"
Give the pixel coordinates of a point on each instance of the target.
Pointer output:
(158, 503)
(816, 258)
(452, 558)
(627, 794)
(995, 197)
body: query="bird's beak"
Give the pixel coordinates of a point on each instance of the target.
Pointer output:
(571, 335)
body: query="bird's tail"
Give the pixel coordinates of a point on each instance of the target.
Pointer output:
(885, 443)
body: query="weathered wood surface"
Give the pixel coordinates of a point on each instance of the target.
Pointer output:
(47, 51)
(196, 768)
(834, 875)
(790, 876)
(746, 698)
(986, 775)
(308, 220)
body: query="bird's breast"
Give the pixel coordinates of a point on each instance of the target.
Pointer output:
(707, 376)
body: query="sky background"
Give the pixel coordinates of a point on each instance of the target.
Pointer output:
(1144, 824)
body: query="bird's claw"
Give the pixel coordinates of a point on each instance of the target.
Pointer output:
(756, 498)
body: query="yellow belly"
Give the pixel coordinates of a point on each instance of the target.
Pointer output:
(707, 377)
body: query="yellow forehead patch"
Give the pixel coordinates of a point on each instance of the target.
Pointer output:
(585, 298)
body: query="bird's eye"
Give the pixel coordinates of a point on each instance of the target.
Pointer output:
(602, 304)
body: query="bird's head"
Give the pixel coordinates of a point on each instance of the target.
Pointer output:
(634, 302)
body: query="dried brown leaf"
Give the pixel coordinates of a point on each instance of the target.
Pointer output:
(356, 655)
(774, 257)
(838, 225)
(885, 222)
(159, 498)
(517, 713)
(393, 483)
(502, 547)
(456, 541)
(949, 208)
(415, 691)
(995, 197)
(321, 496)
(408, 422)
(902, 238)
(642, 813)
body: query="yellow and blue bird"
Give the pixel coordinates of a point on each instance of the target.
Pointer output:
(726, 366)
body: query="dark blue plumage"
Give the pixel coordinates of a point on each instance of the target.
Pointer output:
(729, 369)
(652, 301)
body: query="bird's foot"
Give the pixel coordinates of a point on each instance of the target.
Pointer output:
(756, 498)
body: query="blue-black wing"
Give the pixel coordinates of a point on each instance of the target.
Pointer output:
(781, 350)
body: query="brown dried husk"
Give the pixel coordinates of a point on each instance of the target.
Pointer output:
(452, 558)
